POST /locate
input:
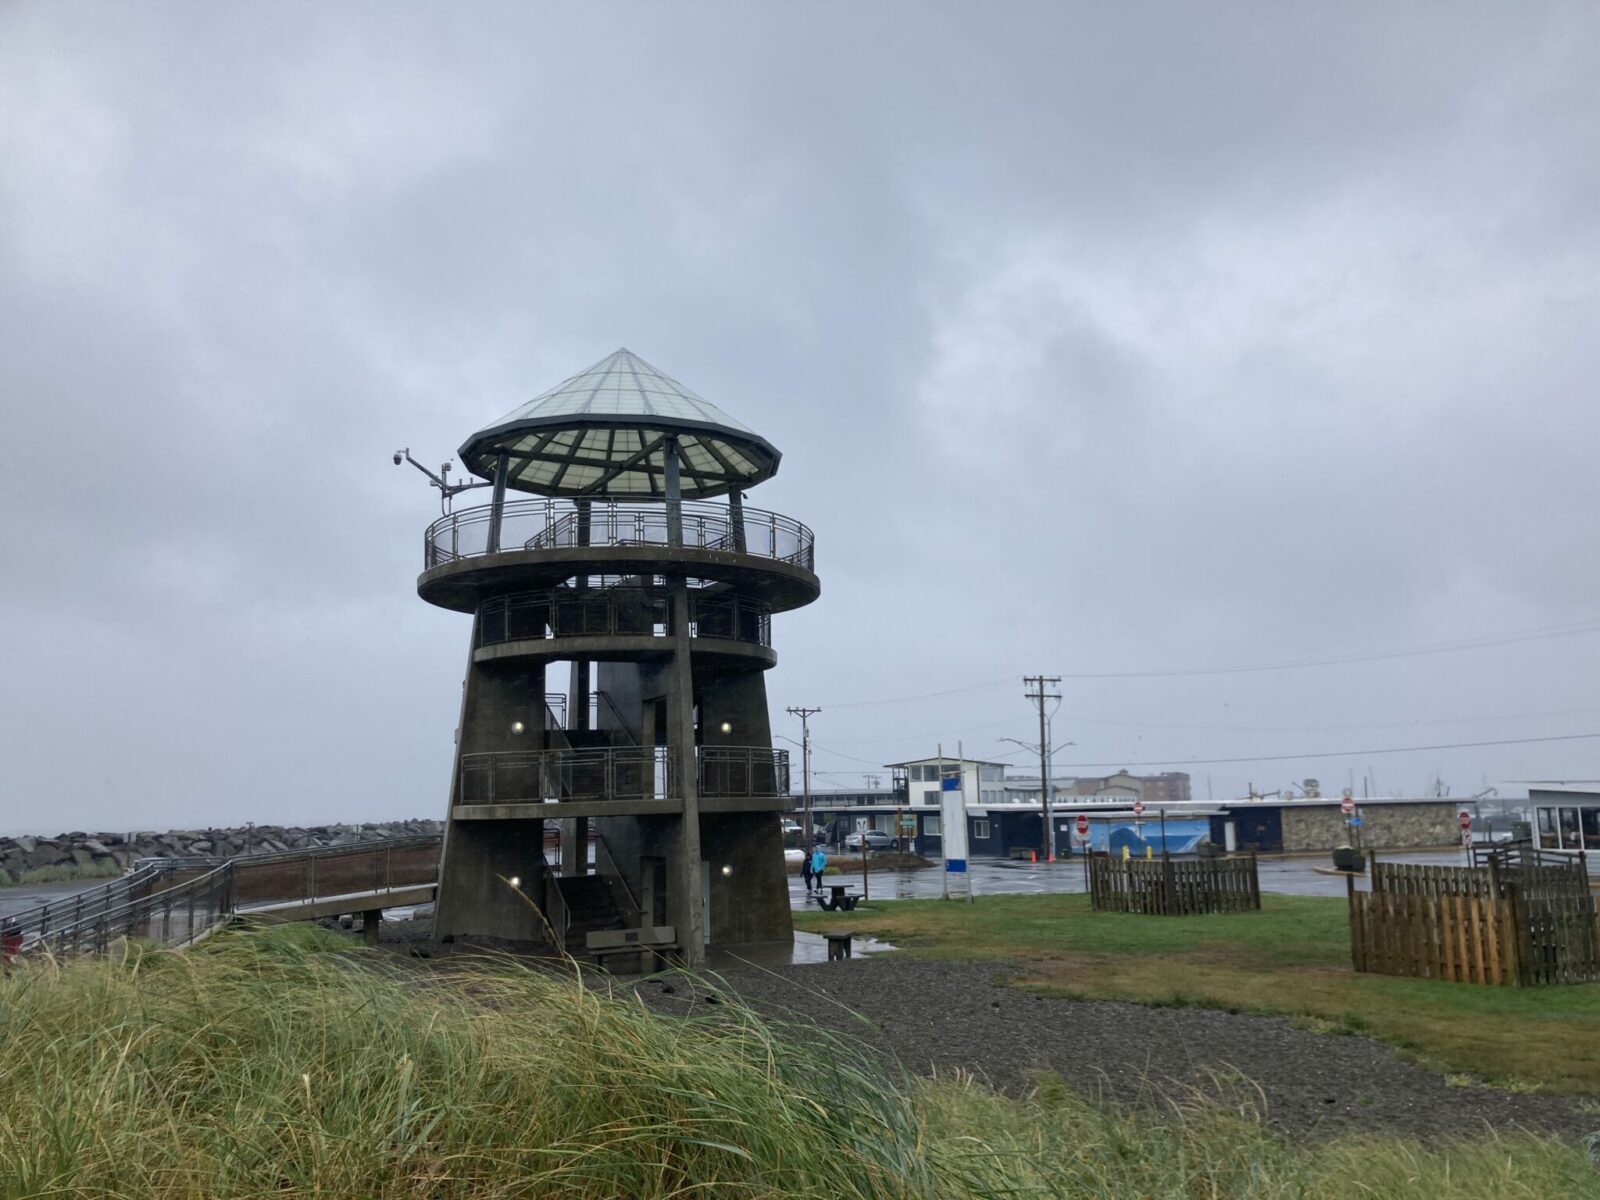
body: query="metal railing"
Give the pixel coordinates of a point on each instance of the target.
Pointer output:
(142, 905)
(549, 524)
(33, 924)
(606, 867)
(546, 776)
(176, 916)
(618, 773)
(733, 771)
(636, 611)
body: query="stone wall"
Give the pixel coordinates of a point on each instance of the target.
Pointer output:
(20, 854)
(1383, 826)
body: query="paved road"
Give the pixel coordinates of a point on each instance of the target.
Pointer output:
(31, 895)
(1287, 876)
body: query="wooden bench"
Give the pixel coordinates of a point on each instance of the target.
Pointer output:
(658, 940)
(839, 944)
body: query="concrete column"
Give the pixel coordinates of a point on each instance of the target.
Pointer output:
(736, 518)
(689, 912)
(582, 670)
(575, 846)
(370, 921)
(497, 503)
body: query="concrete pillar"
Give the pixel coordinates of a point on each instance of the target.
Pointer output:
(689, 915)
(736, 518)
(575, 846)
(497, 503)
(370, 921)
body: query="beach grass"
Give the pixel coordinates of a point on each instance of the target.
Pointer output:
(284, 1062)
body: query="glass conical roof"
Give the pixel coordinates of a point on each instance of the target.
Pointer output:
(603, 433)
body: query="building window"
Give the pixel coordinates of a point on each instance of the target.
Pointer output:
(980, 830)
(930, 825)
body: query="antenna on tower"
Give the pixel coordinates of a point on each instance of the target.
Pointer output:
(441, 480)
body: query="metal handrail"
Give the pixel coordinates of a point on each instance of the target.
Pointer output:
(546, 776)
(606, 867)
(548, 524)
(614, 773)
(200, 906)
(34, 923)
(635, 611)
(407, 842)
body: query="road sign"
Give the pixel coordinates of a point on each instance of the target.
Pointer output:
(908, 821)
(1083, 825)
(1466, 839)
(1355, 822)
(1138, 808)
(1464, 819)
(1347, 805)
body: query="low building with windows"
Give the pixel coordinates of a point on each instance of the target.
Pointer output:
(1566, 819)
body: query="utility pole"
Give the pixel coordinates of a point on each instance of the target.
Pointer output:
(1040, 695)
(805, 715)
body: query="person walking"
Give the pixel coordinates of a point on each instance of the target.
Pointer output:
(805, 873)
(819, 863)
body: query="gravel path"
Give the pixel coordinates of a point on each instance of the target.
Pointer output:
(947, 1016)
(943, 1017)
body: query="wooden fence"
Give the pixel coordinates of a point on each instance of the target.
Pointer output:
(1162, 887)
(1527, 923)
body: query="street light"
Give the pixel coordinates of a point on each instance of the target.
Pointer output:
(1045, 753)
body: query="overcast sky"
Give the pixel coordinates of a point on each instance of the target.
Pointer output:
(1099, 340)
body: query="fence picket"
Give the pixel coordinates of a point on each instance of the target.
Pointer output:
(1519, 919)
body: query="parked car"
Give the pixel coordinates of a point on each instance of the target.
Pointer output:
(875, 839)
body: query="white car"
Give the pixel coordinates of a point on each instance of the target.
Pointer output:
(876, 839)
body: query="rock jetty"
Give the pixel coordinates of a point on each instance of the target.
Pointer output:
(20, 854)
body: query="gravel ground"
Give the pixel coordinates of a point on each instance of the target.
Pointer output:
(928, 1017)
(943, 1017)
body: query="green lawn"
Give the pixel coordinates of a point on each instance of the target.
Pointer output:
(1293, 957)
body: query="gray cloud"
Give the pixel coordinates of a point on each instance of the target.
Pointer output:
(1095, 339)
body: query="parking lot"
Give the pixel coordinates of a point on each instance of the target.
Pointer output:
(992, 876)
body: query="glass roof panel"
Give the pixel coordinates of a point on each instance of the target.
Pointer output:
(603, 417)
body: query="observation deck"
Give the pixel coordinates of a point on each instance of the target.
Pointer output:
(622, 780)
(624, 622)
(543, 542)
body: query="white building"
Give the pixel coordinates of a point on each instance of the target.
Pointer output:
(981, 782)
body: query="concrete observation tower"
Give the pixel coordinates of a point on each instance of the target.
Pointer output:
(623, 567)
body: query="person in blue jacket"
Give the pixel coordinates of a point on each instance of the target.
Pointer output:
(819, 862)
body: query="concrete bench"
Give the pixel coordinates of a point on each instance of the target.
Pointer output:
(839, 944)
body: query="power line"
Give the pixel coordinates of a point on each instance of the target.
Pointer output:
(977, 687)
(1179, 762)
(1562, 712)
(1573, 630)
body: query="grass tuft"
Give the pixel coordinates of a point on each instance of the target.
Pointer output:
(280, 1062)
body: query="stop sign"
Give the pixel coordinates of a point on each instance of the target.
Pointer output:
(1464, 819)
(1083, 825)
(1347, 805)
(1138, 808)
